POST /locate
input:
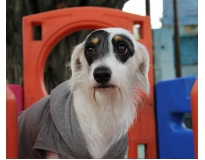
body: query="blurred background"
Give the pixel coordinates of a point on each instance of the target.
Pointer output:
(171, 59)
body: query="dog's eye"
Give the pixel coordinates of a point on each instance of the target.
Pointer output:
(90, 50)
(122, 49)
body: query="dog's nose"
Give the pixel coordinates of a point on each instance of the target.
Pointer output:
(102, 74)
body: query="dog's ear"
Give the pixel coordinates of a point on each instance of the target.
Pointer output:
(143, 68)
(75, 63)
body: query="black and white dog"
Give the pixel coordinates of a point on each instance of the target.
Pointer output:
(105, 67)
(108, 68)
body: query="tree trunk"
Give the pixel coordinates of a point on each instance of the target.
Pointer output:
(55, 68)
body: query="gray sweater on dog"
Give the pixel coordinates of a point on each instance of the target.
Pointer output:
(51, 124)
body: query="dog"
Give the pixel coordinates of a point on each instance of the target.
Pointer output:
(108, 68)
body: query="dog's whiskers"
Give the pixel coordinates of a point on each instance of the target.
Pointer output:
(93, 98)
(120, 95)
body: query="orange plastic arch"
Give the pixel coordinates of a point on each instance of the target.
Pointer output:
(194, 112)
(11, 125)
(59, 23)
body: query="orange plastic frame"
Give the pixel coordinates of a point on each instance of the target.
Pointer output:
(57, 24)
(194, 107)
(11, 125)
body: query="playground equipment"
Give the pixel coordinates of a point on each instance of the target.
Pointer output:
(11, 125)
(18, 92)
(175, 140)
(194, 108)
(59, 23)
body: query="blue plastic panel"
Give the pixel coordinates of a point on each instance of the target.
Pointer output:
(172, 102)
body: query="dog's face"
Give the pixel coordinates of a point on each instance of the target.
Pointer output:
(108, 59)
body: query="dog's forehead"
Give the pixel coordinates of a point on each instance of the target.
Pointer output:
(116, 31)
(108, 32)
(96, 36)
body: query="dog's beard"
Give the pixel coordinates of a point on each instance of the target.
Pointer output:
(102, 93)
(105, 115)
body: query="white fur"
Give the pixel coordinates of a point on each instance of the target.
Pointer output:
(105, 115)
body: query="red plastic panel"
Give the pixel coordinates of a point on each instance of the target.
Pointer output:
(18, 92)
(11, 125)
(57, 24)
(194, 112)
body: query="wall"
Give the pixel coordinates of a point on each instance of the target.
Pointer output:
(163, 43)
(164, 65)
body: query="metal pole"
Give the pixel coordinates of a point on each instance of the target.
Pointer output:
(147, 8)
(176, 41)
